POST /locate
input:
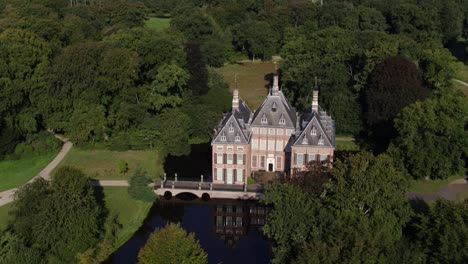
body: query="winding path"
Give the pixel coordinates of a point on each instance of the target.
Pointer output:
(461, 82)
(7, 196)
(448, 192)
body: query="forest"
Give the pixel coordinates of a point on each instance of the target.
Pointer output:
(92, 71)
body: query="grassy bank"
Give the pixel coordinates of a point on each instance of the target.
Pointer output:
(131, 213)
(346, 145)
(102, 164)
(157, 23)
(252, 80)
(4, 216)
(14, 173)
(431, 186)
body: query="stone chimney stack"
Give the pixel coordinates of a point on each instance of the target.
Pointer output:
(315, 100)
(235, 99)
(275, 87)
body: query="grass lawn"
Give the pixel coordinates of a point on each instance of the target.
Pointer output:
(131, 213)
(157, 23)
(14, 173)
(461, 87)
(462, 196)
(463, 74)
(431, 186)
(4, 216)
(346, 145)
(102, 164)
(250, 80)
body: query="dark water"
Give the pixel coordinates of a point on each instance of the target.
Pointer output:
(228, 230)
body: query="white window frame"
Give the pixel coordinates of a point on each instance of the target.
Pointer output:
(240, 148)
(311, 157)
(262, 160)
(220, 148)
(279, 131)
(255, 130)
(237, 138)
(263, 144)
(264, 120)
(254, 144)
(323, 157)
(230, 148)
(263, 131)
(240, 175)
(240, 158)
(231, 128)
(313, 131)
(254, 161)
(279, 145)
(223, 138)
(282, 121)
(231, 160)
(219, 174)
(301, 155)
(271, 145)
(288, 132)
(271, 131)
(219, 158)
(321, 141)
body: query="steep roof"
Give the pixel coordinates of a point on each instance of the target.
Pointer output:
(234, 125)
(273, 109)
(314, 128)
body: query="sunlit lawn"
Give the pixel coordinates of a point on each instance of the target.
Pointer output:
(131, 213)
(14, 173)
(4, 216)
(431, 186)
(102, 164)
(251, 80)
(157, 23)
(346, 145)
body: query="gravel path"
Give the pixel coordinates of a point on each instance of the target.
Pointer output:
(462, 82)
(448, 192)
(7, 196)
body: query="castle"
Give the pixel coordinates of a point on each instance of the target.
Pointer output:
(273, 138)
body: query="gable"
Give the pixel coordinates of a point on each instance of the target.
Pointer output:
(231, 132)
(308, 138)
(275, 111)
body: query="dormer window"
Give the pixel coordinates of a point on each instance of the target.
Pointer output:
(231, 128)
(264, 119)
(305, 141)
(223, 137)
(282, 121)
(313, 131)
(237, 138)
(273, 107)
(320, 141)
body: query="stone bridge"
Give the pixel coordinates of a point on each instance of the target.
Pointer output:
(208, 190)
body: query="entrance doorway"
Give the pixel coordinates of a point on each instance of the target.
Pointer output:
(270, 166)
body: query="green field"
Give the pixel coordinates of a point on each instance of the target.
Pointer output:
(14, 173)
(462, 196)
(431, 186)
(157, 23)
(346, 145)
(4, 216)
(463, 74)
(250, 80)
(102, 164)
(131, 213)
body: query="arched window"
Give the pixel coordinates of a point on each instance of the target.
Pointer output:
(320, 141)
(223, 137)
(273, 107)
(305, 141)
(237, 138)
(264, 119)
(231, 128)
(313, 131)
(282, 121)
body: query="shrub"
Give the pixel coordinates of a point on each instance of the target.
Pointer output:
(139, 189)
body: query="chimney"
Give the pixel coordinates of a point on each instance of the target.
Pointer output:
(235, 99)
(315, 100)
(275, 87)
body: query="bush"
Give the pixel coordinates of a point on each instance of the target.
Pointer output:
(139, 189)
(36, 144)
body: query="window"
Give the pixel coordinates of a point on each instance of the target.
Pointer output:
(229, 158)
(229, 148)
(239, 221)
(240, 159)
(219, 158)
(288, 132)
(320, 141)
(255, 130)
(323, 157)
(300, 159)
(240, 148)
(279, 132)
(262, 162)
(271, 145)
(219, 148)
(229, 178)
(219, 174)
(240, 175)
(254, 144)
(271, 131)
(219, 221)
(273, 107)
(254, 161)
(223, 137)
(282, 121)
(310, 157)
(263, 131)
(278, 162)
(262, 144)
(231, 128)
(237, 137)
(279, 145)
(305, 141)
(264, 119)
(313, 132)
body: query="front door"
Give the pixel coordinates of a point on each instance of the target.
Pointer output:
(229, 178)
(270, 166)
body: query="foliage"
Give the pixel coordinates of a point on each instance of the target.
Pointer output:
(61, 218)
(175, 137)
(172, 244)
(139, 189)
(122, 166)
(312, 179)
(432, 138)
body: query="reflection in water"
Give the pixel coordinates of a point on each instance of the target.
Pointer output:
(228, 230)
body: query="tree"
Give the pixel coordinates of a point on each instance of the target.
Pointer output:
(196, 64)
(393, 84)
(439, 67)
(312, 179)
(139, 189)
(168, 87)
(175, 127)
(172, 244)
(122, 166)
(431, 136)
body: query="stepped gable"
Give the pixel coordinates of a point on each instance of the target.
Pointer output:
(315, 128)
(233, 128)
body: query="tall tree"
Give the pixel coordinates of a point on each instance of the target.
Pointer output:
(172, 244)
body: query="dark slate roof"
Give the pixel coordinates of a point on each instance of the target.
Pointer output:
(323, 124)
(273, 109)
(234, 123)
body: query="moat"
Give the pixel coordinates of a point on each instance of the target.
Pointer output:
(228, 230)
